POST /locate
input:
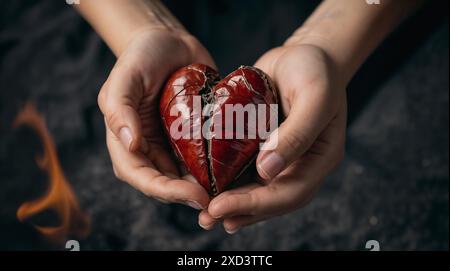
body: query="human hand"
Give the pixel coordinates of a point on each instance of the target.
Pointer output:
(310, 140)
(129, 100)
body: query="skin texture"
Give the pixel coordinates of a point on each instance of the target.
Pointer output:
(129, 99)
(311, 71)
(307, 85)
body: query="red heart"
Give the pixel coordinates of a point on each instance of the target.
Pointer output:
(215, 162)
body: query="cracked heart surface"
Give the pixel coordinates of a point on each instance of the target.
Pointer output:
(212, 152)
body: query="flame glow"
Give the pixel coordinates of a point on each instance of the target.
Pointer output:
(59, 196)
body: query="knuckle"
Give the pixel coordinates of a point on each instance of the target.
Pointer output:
(101, 97)
(273, 189)
(297, 200)
(117, 173)
(148, 192)
(296, 140)
(254, 204)
(157, 188)
(100, 100)
(229, 204)
(112, 118)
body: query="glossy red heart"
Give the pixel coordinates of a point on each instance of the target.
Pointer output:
(217, 156)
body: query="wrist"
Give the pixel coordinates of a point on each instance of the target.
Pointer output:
(339, 65)
(149, 30)
(120, 21)
(178, 43)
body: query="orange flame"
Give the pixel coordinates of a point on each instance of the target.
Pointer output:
(59, 196)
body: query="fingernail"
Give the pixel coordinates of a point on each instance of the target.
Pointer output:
(125, 137)
(206, 227)
(194, 204)
(271, 165)
(232, 231)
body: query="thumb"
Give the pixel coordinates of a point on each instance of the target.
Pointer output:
(119, 106)
(292, 139)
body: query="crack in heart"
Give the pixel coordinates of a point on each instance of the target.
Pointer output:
(213, 161)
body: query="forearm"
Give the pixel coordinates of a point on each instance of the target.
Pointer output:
(117, 21)
(348, 31)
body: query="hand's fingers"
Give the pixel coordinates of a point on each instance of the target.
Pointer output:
(234, 224)
(291, 189)
(163, 161)
(238, 190)
(119, 100)
(206, 221)
(154, 184)
(226, 195)
(306, 120)
(137, 170)
(286, 193)
(309, 102)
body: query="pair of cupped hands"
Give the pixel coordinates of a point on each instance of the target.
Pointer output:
(310, 139)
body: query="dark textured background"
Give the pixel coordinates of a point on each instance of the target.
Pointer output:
(393, 185)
